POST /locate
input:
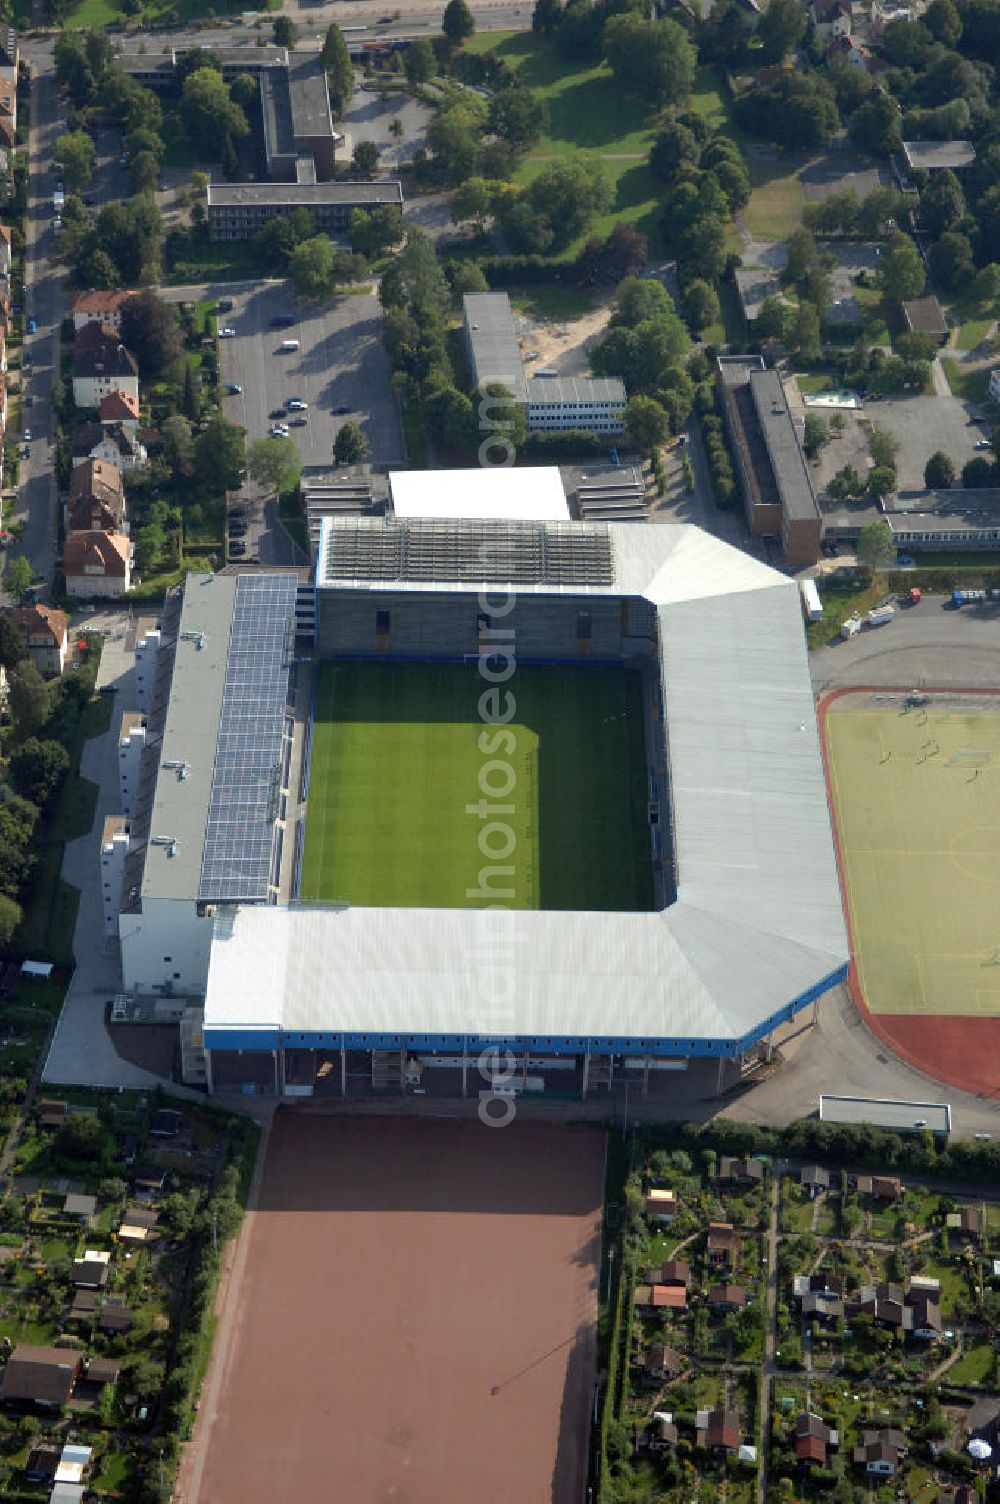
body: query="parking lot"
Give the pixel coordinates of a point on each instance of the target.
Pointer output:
(922, 425)
(369, 117)
(340, 364)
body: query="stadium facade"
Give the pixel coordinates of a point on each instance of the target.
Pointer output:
(302, 998)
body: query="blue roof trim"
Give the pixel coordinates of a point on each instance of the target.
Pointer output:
(239, 1038)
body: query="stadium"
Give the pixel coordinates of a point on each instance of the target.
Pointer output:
(546, 784)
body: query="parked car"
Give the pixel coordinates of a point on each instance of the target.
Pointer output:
(32, 325)
(299, 422)
(282, 320)
(237, 548)
(237, 529)
(279, 431)
(224, 305)
(227, 333)
(982, 444)
(340, 411)
(276, 414)
(232, 387)
(27, 435)
(296, 405)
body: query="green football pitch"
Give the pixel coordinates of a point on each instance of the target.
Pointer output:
(917, 803)
(398, 757)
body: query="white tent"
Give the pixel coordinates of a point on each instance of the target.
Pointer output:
(980, 1449)
(36, 968)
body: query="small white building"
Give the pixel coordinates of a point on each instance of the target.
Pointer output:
(132, 744)
(114, 851)
(146, 649)
(587, 404)
(534, 494)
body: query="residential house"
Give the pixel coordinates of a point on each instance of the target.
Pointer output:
(886, 1305)
(813, 1178)
(879, 1187)
(84, 1305)
(97, 564)
(8, 109)
(166, 1122)
(43, 1376)
(825, 1309)
(101, 364)
(651, 1298)
(822, 1283)
(74, 1462)
(660, 1434)
(673, 1272)
(727, 1297)
(138, 1225)
(120, 407)
(880, 1453)
(661, 1363)
(46, 633)
(850, 50)
(52, 1115)
(116, 443)
(922, 1284)
(741, 1171)
(814, 1439)
(964, 1226)
(830, 18)
(5, 251)
(102, 1371)
(926, 1319)
(723, 1244)
(92, 1270)
(660, 1204)
(101, 307)
(926, 316)
(98, 479)
(42, 1462)
(79, 1206)
(149, 1178)
(718, 1430)
(115, 1319)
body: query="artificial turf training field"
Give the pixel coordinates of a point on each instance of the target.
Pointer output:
(917, 805)
(396, 760)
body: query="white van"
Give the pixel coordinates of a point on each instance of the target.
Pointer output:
(288, 345)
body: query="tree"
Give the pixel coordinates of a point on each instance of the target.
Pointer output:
(451, 418)
(458, 23)
(569, 194)
(802, 255)
(245, 92)
(816, 434)
(219, 455)
(806, 330)
(517, 116)
(29, 698)
(986, 287)
(350, 446)
(545, 17)
(419, 62)
(939, 472)
(799, 110)
(876, 548)
(951, 261)
(639, 299)
(653, 59)
(18, 577)
(10, 918)
(977, 475)
(75, 153)
(190, 405)
(143, 172)
(901, 272)
(647, 422)
(338, 65)
(875, 127)
(700, 306)
(883, 446)
(38, 769)
(285, 32)
(781, 29)
(13, 648)
(675, 147)
(772, 319)
(942, 203)
(365, 160)
(178, 445)
(881, 480)
(82, 1138)
(211, 118)
(375, 230)
(98, 270)
(943, 22)
(151, 331)
(274, 463)
(311, 267)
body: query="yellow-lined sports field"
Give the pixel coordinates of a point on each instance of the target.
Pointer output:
(917, 802)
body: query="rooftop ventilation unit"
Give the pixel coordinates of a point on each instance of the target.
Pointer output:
(163, 841)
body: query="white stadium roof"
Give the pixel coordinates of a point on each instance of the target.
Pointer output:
(757, 928)
(524, 495)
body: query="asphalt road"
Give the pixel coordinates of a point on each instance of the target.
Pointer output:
(926, 646)
(36, 507)
(361, 16)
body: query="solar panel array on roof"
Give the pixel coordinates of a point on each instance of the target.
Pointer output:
(236, 864)
(524, 553)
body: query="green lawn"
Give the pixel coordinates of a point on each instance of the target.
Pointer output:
(876, 330)
(102, 13)
(919, 842)
(553, 302)
(775, 207)
(975, 1366)
(971, 333)
(971, 386)
(193, 259)
(588, 114)
(398, 755)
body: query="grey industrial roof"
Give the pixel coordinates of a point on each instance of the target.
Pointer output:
(492, 336)
(754, 284)
(565, 391)
(180, 805)
(310, 96)
(932, 156)
(758, 921)
(886, 1113)
(784, 451)
(311, 195)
